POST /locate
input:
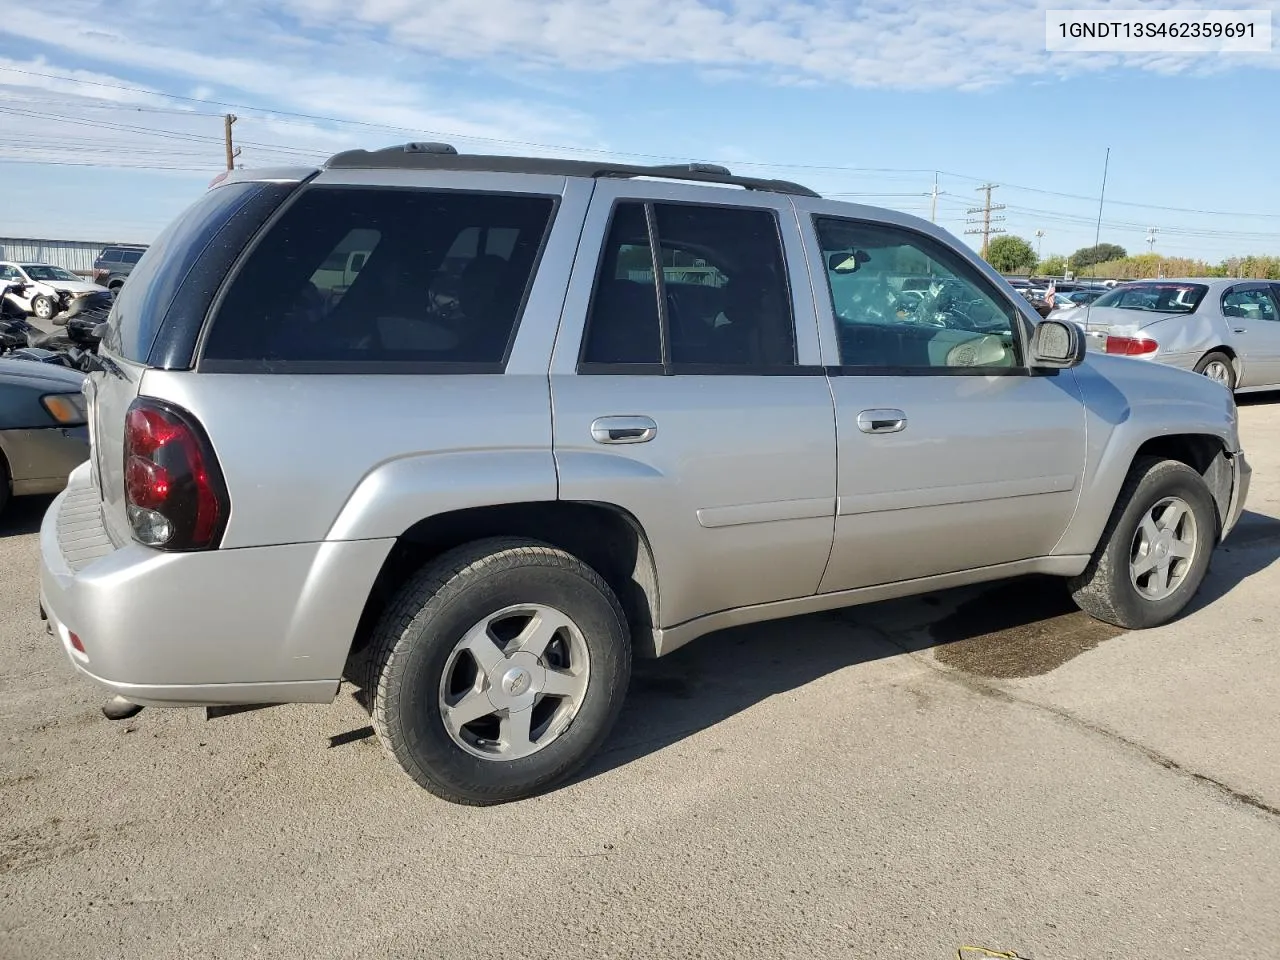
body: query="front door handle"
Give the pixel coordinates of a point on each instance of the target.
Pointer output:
(1239, 330)
(881, 421)
(623, 429)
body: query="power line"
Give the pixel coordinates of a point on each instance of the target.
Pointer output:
(276, 114)
(893, 174)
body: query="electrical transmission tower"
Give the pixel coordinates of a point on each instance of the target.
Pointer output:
(986, 221)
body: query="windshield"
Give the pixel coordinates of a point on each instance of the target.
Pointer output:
(40, 271)
(1155, 297)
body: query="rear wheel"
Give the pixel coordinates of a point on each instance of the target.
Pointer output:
(1155, 550)
(499, 670)
(1218, 366)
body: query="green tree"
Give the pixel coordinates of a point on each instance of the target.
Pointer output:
(1053, 266)
(1103, 252)
(1010, 254)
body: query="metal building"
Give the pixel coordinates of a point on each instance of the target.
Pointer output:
(75, 255)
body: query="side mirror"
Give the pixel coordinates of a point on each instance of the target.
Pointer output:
(1056, 344)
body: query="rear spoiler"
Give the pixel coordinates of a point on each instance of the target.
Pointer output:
(265, 175)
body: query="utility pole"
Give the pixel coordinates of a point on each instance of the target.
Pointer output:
(987, 220)
(232, 150)
(1151, 238)
(933, 209)
(1039, 234)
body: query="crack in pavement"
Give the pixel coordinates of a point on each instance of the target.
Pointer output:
(986, 689)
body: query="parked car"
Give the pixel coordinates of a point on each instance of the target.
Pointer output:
(43, 434)
(479, 514)
(1228, 330)
(115, 263)
(43, 284)
(1066, 303)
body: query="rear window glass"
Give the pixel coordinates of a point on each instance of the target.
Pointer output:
(144, 301)
(362, 275)
(1155, 297)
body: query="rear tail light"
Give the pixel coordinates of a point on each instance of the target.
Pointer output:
(174, 492)
(1131, 346)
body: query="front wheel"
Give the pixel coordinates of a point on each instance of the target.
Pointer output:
(1219, 368)
(499, 670)
(1155, 550)
(42, 307)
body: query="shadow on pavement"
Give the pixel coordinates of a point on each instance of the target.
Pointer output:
(1257, 399)
(22, 515)
(1016, 628)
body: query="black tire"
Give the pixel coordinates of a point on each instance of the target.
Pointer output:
(1105, 590)
(1217, 357)
(412, 643)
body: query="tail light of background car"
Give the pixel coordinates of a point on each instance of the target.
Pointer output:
(1131, 346)
(175, 495)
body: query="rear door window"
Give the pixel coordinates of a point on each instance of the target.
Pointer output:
(354, 275)
(1249, 303)
(722, 303)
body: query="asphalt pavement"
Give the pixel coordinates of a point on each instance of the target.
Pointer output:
(977, 767)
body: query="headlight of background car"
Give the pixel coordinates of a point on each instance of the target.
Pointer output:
(67, 408)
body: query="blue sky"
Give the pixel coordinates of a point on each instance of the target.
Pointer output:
(110, 114)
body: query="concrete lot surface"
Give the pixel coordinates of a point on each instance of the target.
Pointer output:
(977, 767)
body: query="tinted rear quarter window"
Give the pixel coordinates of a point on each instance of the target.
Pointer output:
(358, 275)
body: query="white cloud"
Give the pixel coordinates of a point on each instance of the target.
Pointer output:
(240, 58)
(874, 43)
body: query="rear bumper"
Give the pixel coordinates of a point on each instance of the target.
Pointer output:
(254, 625)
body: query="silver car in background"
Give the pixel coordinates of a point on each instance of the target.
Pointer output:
(1228, 330)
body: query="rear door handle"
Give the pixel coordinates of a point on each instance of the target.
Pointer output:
(881, 421)
(623, 429)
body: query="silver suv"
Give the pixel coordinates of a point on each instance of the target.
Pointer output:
(473, 431)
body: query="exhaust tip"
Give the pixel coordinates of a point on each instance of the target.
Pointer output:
(118, 708)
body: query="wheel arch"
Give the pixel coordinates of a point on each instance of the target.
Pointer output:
(1199, 447)
(1206, 454)
(1229, 353)
(606, 537)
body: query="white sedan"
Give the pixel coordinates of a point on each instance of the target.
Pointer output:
(43, 282)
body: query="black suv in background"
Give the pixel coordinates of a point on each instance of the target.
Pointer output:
(114, 264)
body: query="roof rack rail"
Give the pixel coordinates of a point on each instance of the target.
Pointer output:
(442, 156)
